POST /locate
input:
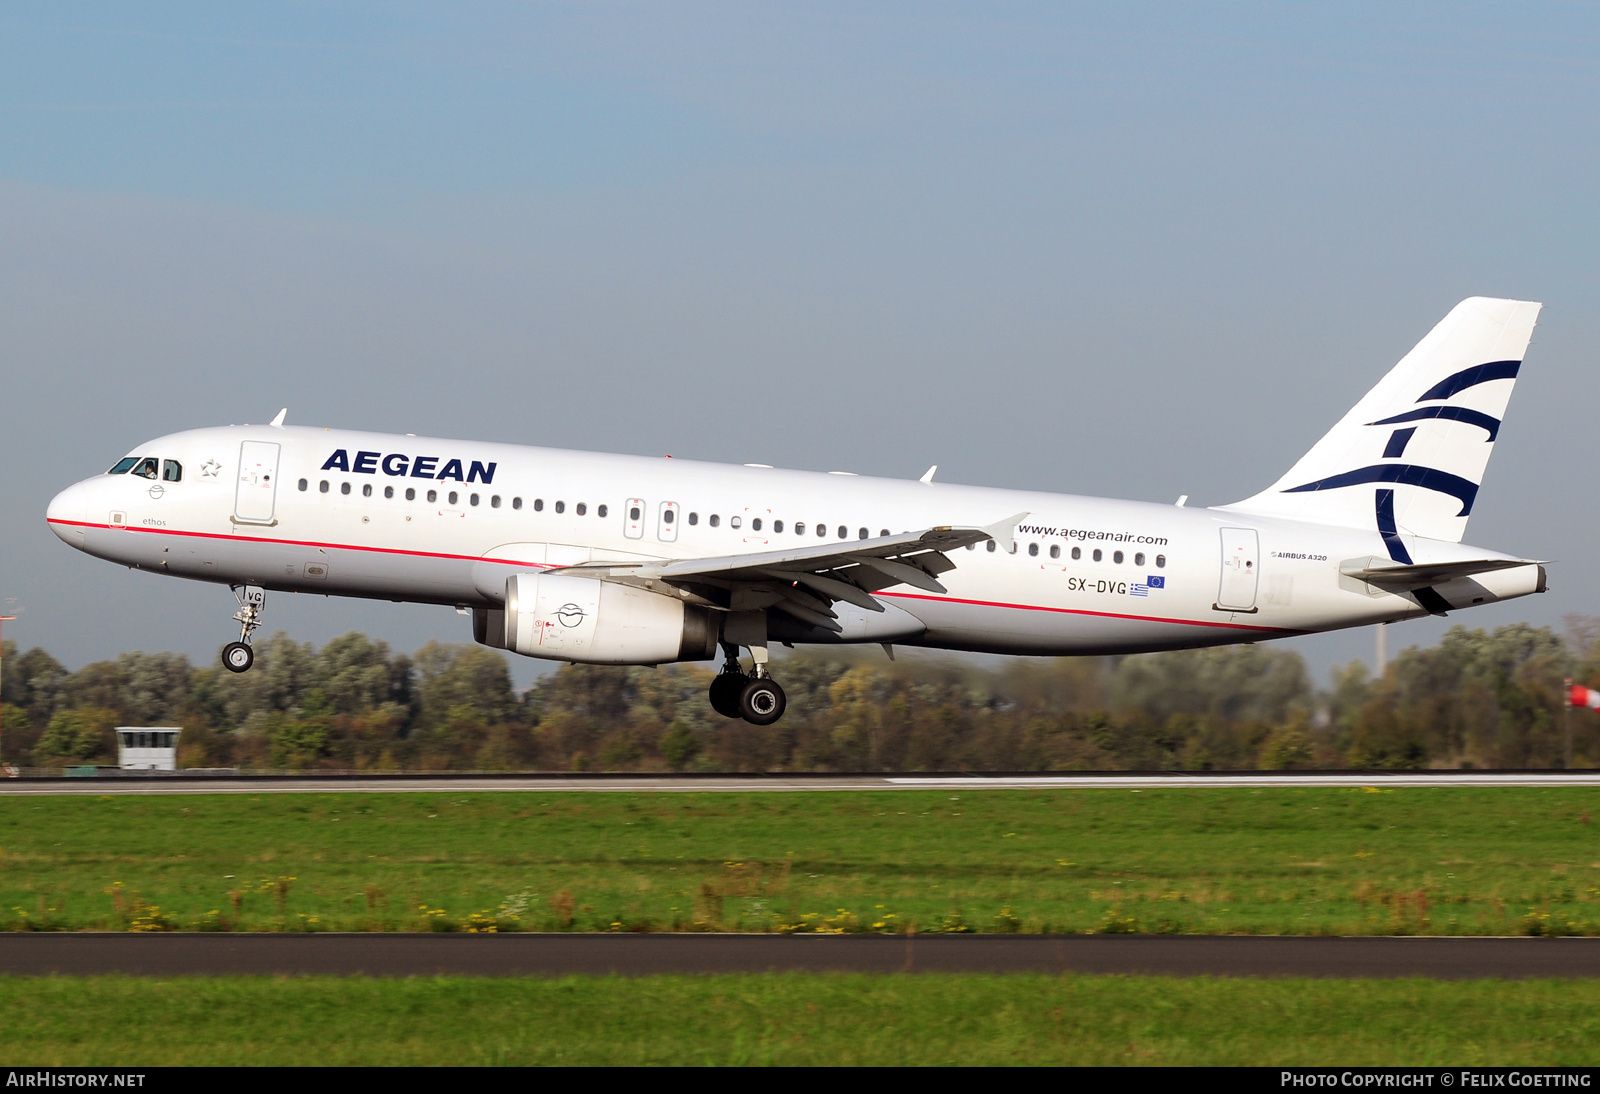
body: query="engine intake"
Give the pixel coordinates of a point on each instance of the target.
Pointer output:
(603, 623)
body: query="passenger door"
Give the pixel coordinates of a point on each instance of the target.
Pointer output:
(1241, 570)
(667, 523)
(257, 491)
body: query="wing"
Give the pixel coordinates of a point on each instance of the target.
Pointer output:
(805, 582)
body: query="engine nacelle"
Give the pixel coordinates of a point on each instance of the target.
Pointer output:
(603, 623)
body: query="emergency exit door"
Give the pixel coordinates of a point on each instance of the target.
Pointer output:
(633, 519)
(257, 491)
(1241, 568)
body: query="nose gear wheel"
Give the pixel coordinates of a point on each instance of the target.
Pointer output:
(238, 657)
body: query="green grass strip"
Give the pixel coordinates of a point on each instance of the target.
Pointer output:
(795, 1018)
(1269, 860)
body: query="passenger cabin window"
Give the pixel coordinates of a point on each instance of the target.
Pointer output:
(171, 471)
(1097, 555)
(582, 509)
(1077, 553)
(1033, 549)
(1161, 562)
(124, 465)
(883, 531)
(755, 525)
(822, 531)
(494, 501)
(1055, 550)
(344, 488)
(715, 520)
(561, 507)
(1116, 556)
(862, 534)
(148, 468)
(538, 505)
(989, 546)
(322, 487)
(777, 526)
(453, 497)
(516, 503)
(411, 494)
(472, 499)
(694, 518)
(303, 485)
(634, 514)
(366, 490)
(433, 495)
(1138, 560)
(733, 522)
(388, 491)
(799, 527)
(666, 516)
(601, 512)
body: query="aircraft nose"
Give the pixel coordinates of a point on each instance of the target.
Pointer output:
(68, 512)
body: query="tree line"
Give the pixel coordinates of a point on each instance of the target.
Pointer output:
(1482, 699)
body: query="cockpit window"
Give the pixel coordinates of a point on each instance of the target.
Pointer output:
(172, 471)
(148, 468)
(123, 465)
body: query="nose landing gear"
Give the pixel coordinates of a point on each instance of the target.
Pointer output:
(753, 696)
(239, 656)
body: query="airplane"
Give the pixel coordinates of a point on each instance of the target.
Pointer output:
(631, 560)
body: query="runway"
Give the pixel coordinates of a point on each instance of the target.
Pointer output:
(784, 783)
(389, 955)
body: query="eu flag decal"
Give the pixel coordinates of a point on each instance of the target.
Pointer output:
(1151, 582)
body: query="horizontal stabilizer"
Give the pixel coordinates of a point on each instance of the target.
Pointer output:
(1391, 575)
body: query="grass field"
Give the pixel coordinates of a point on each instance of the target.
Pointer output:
(796, 1019)
(1294, 861)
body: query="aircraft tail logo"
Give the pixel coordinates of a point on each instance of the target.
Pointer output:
(1409, 458)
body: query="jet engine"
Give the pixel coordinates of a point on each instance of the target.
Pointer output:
(603, 623)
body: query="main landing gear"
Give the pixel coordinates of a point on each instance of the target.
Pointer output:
(238, 656)
(754, 696)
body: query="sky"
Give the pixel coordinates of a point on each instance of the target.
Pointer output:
(1132, 250)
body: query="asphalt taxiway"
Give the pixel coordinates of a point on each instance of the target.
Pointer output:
(391, 955)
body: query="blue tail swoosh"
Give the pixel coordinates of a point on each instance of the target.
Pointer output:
(1450, 413)
(1472, 377)
(1409, 474)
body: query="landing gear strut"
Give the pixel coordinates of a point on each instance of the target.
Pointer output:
(239, 656)
(753, 696)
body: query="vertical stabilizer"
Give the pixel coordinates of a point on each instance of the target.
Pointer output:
(1409, 457)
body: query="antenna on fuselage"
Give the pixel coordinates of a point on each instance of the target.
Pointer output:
(278, 421)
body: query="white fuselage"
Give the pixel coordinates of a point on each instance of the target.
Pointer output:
(1146, 576)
